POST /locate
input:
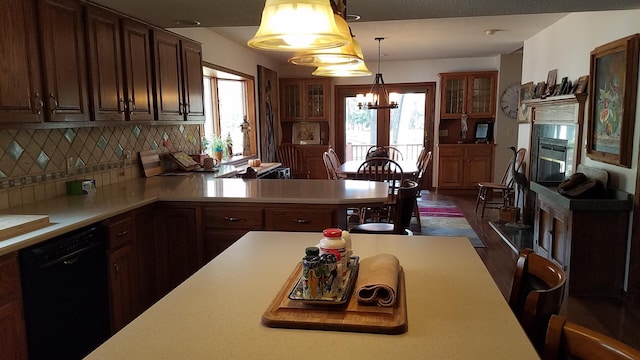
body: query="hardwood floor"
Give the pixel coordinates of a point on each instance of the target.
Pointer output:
(611, 317)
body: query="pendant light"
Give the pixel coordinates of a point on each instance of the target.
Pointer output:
(348, 70)
(293, 25)
(378, 96)
(344, 55)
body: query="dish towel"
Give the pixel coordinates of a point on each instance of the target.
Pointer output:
(378, 280)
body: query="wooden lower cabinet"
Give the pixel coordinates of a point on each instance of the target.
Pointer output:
(588, 243)
(462, 167)
(300, 218)
(13, 343)
(225, 224)
(312, 157)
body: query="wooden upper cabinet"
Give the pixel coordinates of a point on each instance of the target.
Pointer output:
(305, 99)
(193, 80)
(63, 52)
(178, 82)
(138, 70)
(105, 65)
(120, 67)
(21, 96)
(471, 93)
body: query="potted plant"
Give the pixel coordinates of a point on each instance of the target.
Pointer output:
(218, 146)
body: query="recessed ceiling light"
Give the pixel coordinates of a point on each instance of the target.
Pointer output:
(187, 22)
(491, 31)
(352, 17)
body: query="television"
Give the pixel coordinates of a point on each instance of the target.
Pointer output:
(483, 132)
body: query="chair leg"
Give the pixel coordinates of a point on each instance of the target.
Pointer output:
(478, 198)
(416, 210)
(484, 203)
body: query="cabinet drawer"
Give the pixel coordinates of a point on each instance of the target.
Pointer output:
(299, 220)
(9, 279)
(233, 218)
(452, 151)
(121, 231)
(479, 151)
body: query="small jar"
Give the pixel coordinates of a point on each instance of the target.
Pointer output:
(333, 243)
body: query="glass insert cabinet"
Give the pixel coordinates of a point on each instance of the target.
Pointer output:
(470, 93)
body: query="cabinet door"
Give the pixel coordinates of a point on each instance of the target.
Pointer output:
(123, 286)
(217, 241)
(193, 80)
(450, 172)
(179, 248)
(477, 169)
(137, 68)
(481, 101)
(21, 97)
(551, 234)
(12, 328)
(168, 96)
(63, 51)
(299, 219)
(453, 95)
(291, 99)
(316, 94)
(147, 257)
(107, 95)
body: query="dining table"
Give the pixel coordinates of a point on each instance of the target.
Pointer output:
(349, 169)
(454, 310)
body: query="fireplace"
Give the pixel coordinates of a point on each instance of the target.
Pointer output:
(552, 152)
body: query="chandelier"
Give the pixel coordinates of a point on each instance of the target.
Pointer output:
(294, 25)
(378, 96)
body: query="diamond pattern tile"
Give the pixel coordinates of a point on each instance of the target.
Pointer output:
(42, 160)
(69, 134)
(136, 131)
(15, 150)
(119, 151)
(102, 143)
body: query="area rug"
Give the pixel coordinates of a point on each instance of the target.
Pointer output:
(443, 218)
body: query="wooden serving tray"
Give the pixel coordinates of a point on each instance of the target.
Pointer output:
(352, 316)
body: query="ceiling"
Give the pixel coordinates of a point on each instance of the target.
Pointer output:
(413, 29)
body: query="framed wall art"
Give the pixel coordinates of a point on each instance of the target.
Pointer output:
(526, 93)
(268, 116)
(305, 133)
(581, 84)
(612, 101)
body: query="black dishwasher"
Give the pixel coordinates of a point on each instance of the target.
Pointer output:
(65, 294)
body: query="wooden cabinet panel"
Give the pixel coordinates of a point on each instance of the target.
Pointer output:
(21, 96)
(471, 93)
(123, 287)
(138, 70)
(312, 160)
(305, 99)
(179, 91)
(192, 77)
(298, 218)
(12, 327)
(147, 257)
(63, 51)
(463, 166)
(217, 241)
(105, 65)
(233, 217)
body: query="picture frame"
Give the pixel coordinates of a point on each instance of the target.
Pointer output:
(581, 84)
(526, 93)
(612, 101)
(268, 115)
(551, 82)
(305, 133)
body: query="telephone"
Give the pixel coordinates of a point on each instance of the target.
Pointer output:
(578, 185)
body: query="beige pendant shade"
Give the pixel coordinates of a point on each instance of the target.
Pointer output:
(335, 56)
(348, 70)
(288, 25)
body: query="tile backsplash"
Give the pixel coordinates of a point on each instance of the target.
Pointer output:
(35, 164)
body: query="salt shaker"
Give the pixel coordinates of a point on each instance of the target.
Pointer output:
(312, 274)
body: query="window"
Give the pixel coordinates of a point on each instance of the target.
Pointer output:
(229, 100)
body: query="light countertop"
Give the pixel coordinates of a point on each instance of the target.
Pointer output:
(68, 213)
(455, 310)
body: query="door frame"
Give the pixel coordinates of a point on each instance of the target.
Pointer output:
(429, 88)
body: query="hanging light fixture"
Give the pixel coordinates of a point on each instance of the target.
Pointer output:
(293, 25)
(378, 96)
(344, 55)
(348, 70)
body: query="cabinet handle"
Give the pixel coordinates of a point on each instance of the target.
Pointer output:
(38, 103)
(132, 106)
(187, 108)
(122, 109)
(180, 108)
(232, 219)
(122, 233)
(116, 270)
(301, 221)
(54, 107)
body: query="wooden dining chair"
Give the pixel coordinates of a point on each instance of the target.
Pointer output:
(291, 157)
(392, 152)
(567, 340)
(335, 161)
(422, 164)
(401, 217)
(504, 189)
(385, 170)
(536, 294)
(328, 165)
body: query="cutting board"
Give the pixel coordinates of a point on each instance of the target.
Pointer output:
(14, 225)
(352, 316)
(151, 164)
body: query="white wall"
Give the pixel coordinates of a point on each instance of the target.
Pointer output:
(566, 46)
(506, 127)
